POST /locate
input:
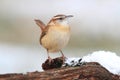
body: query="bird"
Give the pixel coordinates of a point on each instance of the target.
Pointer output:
(55, 35)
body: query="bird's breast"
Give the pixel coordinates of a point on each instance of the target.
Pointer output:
(56, 38)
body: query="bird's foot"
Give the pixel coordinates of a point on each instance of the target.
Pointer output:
(50, 60)
(64, 58)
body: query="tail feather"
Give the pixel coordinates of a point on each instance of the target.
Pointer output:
(40, 24)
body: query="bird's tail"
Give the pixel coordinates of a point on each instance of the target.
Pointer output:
(40, 24)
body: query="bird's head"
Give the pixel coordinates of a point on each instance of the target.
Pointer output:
(60, 19)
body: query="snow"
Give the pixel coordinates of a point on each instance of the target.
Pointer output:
(72, 62)
(107, 59)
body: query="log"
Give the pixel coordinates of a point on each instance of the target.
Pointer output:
(86, 71)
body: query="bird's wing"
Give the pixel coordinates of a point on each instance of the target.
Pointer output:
(40, 24)
(44, 32)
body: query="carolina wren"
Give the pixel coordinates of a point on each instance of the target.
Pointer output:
(55, 35)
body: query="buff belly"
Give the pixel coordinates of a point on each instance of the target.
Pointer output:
(55, 40)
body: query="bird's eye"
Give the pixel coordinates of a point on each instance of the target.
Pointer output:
(61, 18)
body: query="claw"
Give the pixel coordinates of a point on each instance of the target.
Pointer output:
(63, 56)
(50, 60)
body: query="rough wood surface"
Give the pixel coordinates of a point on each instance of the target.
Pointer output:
(87, 71)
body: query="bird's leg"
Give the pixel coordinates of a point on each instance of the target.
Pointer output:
(49, 58)
(63, 56)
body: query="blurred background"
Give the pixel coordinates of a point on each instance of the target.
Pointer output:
(95, 26)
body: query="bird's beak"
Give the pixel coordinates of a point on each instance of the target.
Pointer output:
(68, 16)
